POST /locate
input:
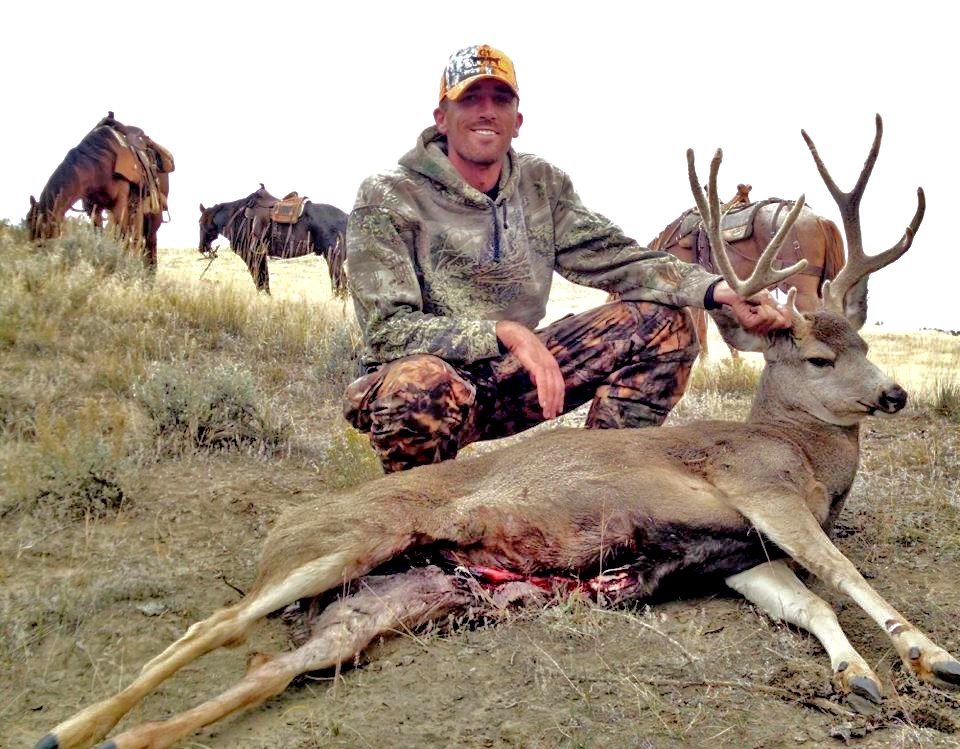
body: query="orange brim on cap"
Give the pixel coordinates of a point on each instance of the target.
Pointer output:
(472, 64)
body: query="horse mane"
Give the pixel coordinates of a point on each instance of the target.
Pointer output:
(97, 146)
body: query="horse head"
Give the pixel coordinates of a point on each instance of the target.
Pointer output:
(209, 230)
(41, 222)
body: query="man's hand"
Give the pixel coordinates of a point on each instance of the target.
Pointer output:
(758, 314)
(538, 361)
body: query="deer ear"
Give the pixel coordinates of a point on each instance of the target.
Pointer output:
(855, 304)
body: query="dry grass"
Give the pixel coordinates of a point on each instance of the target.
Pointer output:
(121, 523)
(105, 368)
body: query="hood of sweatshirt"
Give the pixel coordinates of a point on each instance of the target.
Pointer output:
(429, 159)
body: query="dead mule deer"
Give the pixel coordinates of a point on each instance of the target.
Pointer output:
(624, 512)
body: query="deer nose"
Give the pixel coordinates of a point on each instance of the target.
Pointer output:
(893, 399)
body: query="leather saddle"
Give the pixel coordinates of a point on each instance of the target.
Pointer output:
(264, 207)
(270, 220)
(140, 160)
(736, 222)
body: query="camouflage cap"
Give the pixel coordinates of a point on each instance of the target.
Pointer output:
(473, 64)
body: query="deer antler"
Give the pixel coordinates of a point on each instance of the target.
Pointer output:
(763, 274)
(859, 265)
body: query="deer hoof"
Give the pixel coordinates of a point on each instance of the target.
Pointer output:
(48, 742)
(864, 695)
(946, 675)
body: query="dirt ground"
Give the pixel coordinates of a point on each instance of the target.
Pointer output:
(99, 599)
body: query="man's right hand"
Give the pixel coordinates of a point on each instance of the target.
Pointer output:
(538, 361)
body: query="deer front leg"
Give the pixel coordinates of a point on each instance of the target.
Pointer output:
(787, 521)
(775, 588)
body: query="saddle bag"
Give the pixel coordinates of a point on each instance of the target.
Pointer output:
(163, 158)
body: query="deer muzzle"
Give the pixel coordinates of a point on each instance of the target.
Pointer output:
(892, 399)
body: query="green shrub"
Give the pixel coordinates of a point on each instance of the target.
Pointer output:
(76, 476)
(335, 359)
(104, 251)
(945, 398)
(349, 460)
(217, 408)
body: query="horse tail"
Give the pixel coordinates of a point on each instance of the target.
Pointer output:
(833, 256)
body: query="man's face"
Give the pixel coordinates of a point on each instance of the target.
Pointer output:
(481, 124)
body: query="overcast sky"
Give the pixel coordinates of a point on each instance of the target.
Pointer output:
(613, 93)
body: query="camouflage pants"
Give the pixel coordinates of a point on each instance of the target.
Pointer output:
(631, 358)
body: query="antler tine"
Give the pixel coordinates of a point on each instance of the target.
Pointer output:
(763, 275)
(859, 265)
(799, 322)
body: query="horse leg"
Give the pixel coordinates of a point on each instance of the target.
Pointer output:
(335, 264)
(262, 275)
(94, 213)
(119, 211)
(383, 606)
(151, 224)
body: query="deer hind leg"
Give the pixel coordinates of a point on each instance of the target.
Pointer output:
(379, 606)
(226, 627)
(795, 530)
(775, 588)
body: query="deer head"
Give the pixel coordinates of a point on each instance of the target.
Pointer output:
(820, 366)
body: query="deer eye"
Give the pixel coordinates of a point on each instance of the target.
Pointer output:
(819, 361)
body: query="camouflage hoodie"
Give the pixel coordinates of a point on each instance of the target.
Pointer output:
(433, 262)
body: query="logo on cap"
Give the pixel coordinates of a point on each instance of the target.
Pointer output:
(473, 63)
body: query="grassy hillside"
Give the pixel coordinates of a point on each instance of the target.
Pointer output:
(151, 429)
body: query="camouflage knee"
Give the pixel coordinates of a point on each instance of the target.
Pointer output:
(413, 409)
(643, 392)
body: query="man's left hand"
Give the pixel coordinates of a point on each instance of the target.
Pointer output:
(758, 314)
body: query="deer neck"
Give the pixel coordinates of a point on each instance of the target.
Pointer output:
(833, 450)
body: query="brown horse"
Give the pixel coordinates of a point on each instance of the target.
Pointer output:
(254, 235)
(747, 229)
(115, 168)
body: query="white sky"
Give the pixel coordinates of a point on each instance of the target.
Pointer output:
(613, 93)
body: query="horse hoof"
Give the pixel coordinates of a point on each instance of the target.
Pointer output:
(48, 742)
(946, 675)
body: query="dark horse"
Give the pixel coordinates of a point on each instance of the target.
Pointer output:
(246, 223)
(115, 168)
(747, 228)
